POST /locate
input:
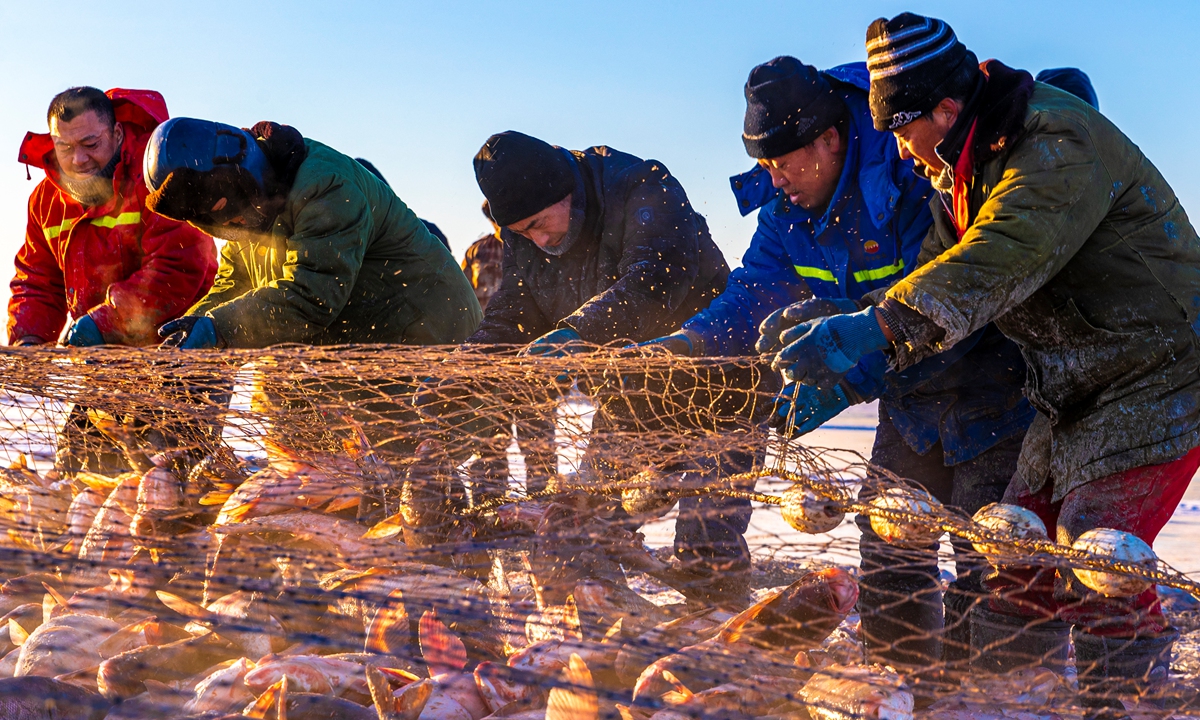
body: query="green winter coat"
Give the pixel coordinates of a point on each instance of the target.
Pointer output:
(1081, 253)
(346, 262)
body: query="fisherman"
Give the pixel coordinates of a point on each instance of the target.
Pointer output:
(319, 250)
(602, 247)
(1053, 224)
(841, 214)
(483, 261)
(93, 254)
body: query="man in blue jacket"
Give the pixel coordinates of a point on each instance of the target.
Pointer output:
(840, 216)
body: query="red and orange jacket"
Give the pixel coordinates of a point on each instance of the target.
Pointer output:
(130, 269)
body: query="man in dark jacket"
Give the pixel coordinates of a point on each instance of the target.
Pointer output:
(602, 247)
(824, 240)
(1055, 226)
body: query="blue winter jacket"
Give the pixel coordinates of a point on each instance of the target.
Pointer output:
(969, 398)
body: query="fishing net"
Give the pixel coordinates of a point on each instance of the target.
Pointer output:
(403, 532)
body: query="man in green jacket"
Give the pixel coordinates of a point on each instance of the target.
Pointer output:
(319, 250)
(1054, 225)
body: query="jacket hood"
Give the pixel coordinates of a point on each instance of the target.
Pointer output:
(140, 111)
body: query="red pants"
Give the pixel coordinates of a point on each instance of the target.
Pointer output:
(1139, 501)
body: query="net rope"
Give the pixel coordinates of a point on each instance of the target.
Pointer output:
(391, 527)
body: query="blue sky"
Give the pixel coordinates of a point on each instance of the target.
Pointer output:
(418, 87)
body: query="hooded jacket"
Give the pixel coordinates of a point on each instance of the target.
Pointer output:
(130, 269)
(1077, 248)
(345, 261)
(868, 238)
(643, 263)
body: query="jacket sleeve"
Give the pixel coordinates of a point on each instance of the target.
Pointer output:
(765, 282)
(325, 253)
(38, 304)
(1053, 194)
(178, 263)
(660, 262)
(511, 315)
(232, 280)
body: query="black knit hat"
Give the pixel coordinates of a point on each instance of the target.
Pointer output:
(788, 105)
(520, 175)
(1072, 80)
(914, 62)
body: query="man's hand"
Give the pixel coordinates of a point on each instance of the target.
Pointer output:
(806, 408)
(191, 332)
(556, 343)
(674, 344)
(828, 347)
(84, 333)
(786, 318)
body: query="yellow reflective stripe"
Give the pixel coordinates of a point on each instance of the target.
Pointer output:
(53, 232)
(108, 221)
(125, 218)
(879, 273)
(815, 272)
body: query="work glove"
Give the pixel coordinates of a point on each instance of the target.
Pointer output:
(789, 317)
(674, 344)
(554, 344)
(825, 349)
(84, 333)
(191, 332)
(806, 408)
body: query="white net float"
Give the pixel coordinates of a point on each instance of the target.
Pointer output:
(1116, 546)
(810, 512)
(907, 532)
(1010, 521)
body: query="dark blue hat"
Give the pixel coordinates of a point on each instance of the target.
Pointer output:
(1073, 80)
(788, 105)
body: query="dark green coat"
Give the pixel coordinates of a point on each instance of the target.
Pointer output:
(346, 262)
(1081, 253)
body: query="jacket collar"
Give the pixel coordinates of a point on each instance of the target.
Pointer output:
(996, 108)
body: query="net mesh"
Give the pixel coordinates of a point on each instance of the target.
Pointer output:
(403, 532)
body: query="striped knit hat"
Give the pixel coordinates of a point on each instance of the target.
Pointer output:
(914, 61)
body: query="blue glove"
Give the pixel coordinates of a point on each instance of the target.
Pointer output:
(807, 408)
(786, 318)
(554, 344)
(84, 333)
(674, 344)
(191, 332)
(828, 347)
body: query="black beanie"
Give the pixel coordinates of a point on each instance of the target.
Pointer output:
(1072, 80)
(521, 176)
(788, 105)
(914, 62)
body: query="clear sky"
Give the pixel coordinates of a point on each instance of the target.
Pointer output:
(417, 87)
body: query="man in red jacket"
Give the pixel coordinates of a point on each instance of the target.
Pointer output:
(93, 253)
(92, 250)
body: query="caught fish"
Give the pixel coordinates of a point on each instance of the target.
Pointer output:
(64, 645)
(841, 693)
(159, 498)
(309, 673)
(279, 703)
(669, 637)
(16, 626)
(338, 538)
(42, 698)
(108, 542)
(288, 484)
(242, 618)
(83, 510)
(449, 692)
(223, 690)
(125, 675)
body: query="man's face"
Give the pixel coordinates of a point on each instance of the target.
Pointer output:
(85, 144)
(547, 228)
(919, 139)
(485, 279)
(809, 175)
